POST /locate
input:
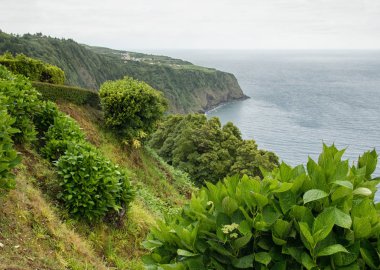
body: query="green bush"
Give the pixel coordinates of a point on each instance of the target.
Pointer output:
(44, 118)
(207, 151)
(91, 185)
(323, 217)
(34, 69)
(8, 156)
(22, 103)
(63, 133)
(72, 94)
(131, 108)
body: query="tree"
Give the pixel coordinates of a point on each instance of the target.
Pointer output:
(249, 160)
(206, 150)
(131, 107)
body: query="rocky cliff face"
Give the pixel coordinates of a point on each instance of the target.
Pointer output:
(189, 88)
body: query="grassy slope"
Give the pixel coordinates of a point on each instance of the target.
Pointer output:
(37, 233)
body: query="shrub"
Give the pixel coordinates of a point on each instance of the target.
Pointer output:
(22, 103)
(323, 217)
(72, 94)
(8, 156)
(63, 133)
(131, 108)
(34, 69)
(91, 185)
(45, 116)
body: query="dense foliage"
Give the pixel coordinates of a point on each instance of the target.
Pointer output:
(206, 150)
(323, 217)
(44, 119)
(131, 108)
(8, 156)
(22, 103)
(34, 69)
(63, 133)
(72, 94)
(92, 185)
(188, 88)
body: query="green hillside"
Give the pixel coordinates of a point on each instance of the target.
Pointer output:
(81, 189)
(189, 88)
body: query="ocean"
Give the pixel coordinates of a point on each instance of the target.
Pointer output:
(300, 99)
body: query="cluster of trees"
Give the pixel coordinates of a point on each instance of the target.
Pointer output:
(34, 69)
(206, 150)
(323, 217)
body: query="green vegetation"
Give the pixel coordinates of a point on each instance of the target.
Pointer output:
(92, 201)
(62, 133)
(36, 227)
(321, 218)
(33, 232)
(131, 108)
(8, 156)
(206, 150)
(22, 103)
(187, 87)
(91, 185)
(66, 93)
(33, 69)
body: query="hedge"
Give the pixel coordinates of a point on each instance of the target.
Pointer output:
(72, 94)
(34, 69)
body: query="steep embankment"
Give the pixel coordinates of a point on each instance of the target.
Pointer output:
(189, 88)
(37, 233)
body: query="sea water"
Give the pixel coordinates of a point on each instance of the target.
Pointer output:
(300, 99)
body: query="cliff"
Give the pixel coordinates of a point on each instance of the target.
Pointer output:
(189, 88)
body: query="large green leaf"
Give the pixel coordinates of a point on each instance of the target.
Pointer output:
(243, 262)
(302, 213)
(342, 259)
(229, 205)
(241, 242)
(369, 254)
(151, 244)
(281, 228)
(342, 219)
(185, 253)
(283, 187)
(323, 224)
(314, 195)
(330, 250)
(270, 214)
(362, 227)
(218, 247)
(260, 199)
(307, 261)
(263, 258)
(369, 161)
(287, 201)
(344, 183)
(305, 231)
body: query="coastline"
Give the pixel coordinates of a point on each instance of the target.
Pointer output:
(220, 105)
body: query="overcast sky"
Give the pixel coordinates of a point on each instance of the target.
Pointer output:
(200, 24)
